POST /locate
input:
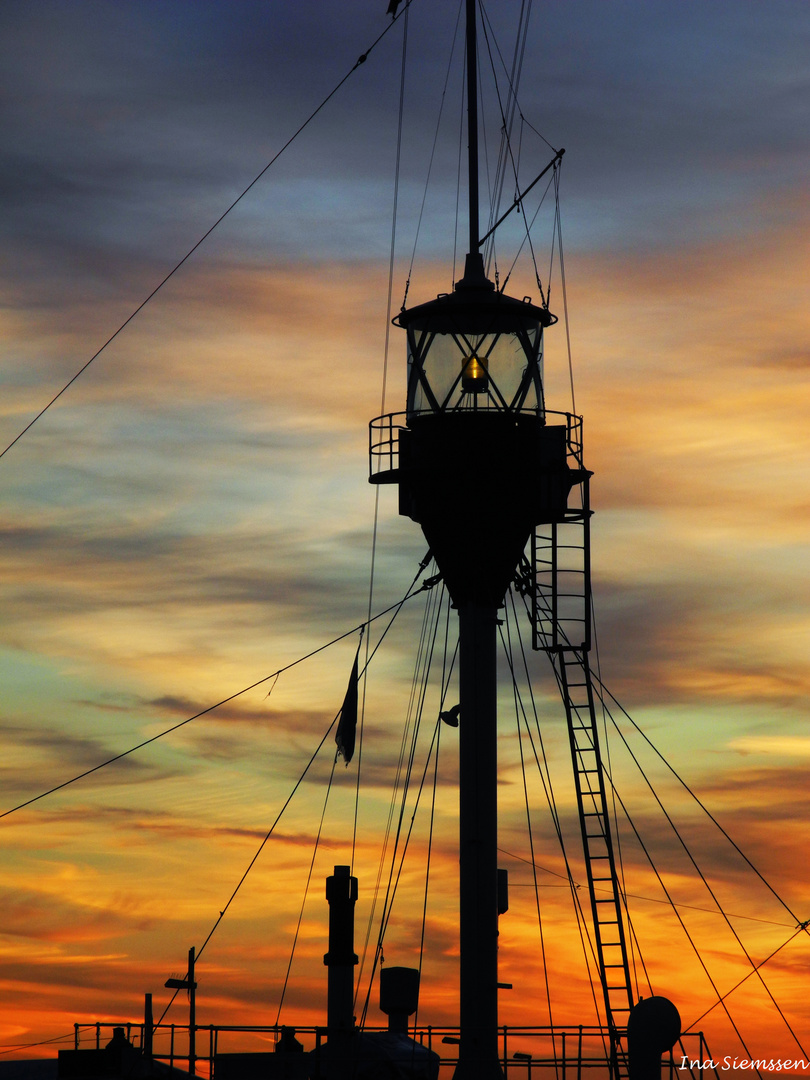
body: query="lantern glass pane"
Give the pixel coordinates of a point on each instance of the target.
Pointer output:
(478, 371)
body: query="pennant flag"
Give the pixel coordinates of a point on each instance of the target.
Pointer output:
(347, 725)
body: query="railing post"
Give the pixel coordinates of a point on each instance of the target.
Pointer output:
(317, 1052)
(192, 1014)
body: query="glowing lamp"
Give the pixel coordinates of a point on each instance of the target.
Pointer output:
(474, 375)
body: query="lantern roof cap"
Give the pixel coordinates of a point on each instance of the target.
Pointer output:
(474, 306)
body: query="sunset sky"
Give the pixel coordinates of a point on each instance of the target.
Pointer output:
(193, 514)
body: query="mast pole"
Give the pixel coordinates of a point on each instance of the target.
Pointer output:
(478, 740)
(472, 124)
(478, 842)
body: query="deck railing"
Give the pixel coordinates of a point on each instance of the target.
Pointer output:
(383, 439)
(568, 1052)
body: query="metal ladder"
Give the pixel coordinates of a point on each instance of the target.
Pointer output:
(557, 577)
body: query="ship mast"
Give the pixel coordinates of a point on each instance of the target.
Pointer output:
(478, 467)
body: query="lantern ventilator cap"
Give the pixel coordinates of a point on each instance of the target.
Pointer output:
(474, 276)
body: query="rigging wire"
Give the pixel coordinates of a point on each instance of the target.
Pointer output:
(394, 878)
(458, 180)
(395, 788)
(747, 976)
(606, 712)
(513, 82)
(375, 525)
(532, 128)
(404, 766)
(253, 861)
(445, 678)
(689, 937)
(505, 150)
(719, 909)
(299, 781)
(486, 162)
(506, 153)
(427, 649)
(506, 644)
(586, 940)
(529, 225)
(14, 1047)
(306, 890)
(397, 170)
(634, 942)
(431, 823)
(231, 697)
(430, 161)
(647, 899)
(360, 60)
(269, 833)
(701, 875)
(558, 219)
(703, 807)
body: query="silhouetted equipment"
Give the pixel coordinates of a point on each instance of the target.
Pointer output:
(287, 1042)
(653, 1029)
(341, 893)
(119, 1058)
(503, 891)
(189, 984)
(479, 466)
(451, 716)
(399, 995)
(148, 1025)
(348, 1052)
(392, 1055)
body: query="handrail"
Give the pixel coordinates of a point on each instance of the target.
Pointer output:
(524, 1049)
(383, 436)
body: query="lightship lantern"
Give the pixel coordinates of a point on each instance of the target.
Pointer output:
(478, 463)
